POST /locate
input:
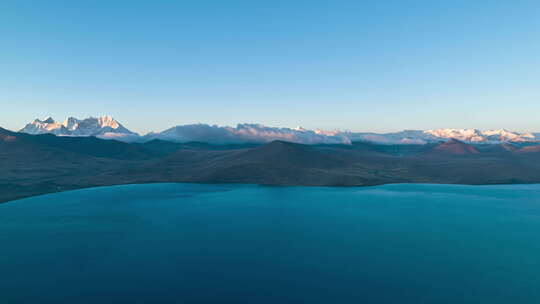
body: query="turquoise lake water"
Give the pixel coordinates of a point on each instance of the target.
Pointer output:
(190, 243)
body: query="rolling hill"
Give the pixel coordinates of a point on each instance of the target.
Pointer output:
(37, 164)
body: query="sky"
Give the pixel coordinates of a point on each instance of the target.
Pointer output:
(351, 65)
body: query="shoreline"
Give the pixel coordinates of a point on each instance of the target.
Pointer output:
(68, 189)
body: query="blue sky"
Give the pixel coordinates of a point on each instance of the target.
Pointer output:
(358, 65)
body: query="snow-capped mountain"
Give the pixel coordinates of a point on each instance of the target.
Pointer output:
(477, 136)
(47, 125)
(108, 128)
(259, 133)
(103, 127)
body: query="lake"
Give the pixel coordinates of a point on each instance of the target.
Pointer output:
(192, 243)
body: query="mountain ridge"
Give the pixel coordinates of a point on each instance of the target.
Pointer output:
(107, 127)
(103, 127)
(44, 163)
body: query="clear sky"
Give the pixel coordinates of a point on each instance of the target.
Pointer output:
(359, 65)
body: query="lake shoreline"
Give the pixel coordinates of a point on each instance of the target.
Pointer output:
(67, 188)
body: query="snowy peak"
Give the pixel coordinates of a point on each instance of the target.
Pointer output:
(477, 136)
(505, 135)
(108, 121)
(470, 135)
(48, 120)
(47, 125)
(71, 123)
(104, 127)
(109, 128)
(94, 126)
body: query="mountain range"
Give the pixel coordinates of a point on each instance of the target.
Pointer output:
(44, 163)
(107, 127)
(103, 127)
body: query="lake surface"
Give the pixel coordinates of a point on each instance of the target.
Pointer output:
(189, 243)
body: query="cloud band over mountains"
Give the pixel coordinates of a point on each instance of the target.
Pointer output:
(245, 133)
(256, 133)
(108, 128)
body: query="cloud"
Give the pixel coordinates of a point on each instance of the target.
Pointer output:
(245, 133)
(107, 128)
(402, 137)
(120, 136)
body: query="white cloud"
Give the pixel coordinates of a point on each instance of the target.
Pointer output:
(108, 128)
(256, 133)
(243, 133)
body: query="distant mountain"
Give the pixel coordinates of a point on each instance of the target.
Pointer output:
(455, 147)
(255, 133)
(477, 136)
(104, 127)
(429, 136)
(107, 128)
(244, 133)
